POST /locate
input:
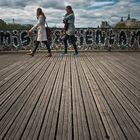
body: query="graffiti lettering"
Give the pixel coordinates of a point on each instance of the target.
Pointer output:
(84, 38)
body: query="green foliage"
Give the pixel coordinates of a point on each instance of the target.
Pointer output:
(2, 24)
(10, 26)
(137, 25)
(121, 25)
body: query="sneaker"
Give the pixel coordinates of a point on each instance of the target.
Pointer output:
(50, 55)
(64, 53)
(109, 49)
(75, 54)
(32, 54)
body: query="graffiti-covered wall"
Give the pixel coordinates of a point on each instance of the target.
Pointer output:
(85, 39)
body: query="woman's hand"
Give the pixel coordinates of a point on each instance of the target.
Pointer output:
(29, 32)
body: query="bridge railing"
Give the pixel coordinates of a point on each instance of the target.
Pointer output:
(86, 39)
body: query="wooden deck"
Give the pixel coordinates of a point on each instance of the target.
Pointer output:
(95, 96)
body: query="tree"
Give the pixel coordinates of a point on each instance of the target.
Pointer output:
(121, 25)
(18, 26)
(137, 25)
(10, 26)
(2, 24)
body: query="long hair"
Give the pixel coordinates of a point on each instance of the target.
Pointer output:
(70, 8)
(40, 12)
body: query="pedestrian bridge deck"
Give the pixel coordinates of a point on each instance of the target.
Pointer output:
(95, 96)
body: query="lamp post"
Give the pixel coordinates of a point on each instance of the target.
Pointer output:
(13, 21)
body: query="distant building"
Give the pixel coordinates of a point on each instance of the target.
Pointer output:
(138, 24)
(105, 24)
(129, 22)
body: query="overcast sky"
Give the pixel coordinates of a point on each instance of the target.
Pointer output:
(89, 13)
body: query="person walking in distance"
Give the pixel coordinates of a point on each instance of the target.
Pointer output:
(41, 35)
(69, 28)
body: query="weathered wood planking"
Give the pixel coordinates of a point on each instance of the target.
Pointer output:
(89, 97)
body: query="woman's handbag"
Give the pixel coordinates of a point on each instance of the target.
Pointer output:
(49, 34)
(65, 25)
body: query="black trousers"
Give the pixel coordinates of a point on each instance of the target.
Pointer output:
(45, 42)
(72, 39)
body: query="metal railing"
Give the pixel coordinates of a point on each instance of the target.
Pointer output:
(86, 39)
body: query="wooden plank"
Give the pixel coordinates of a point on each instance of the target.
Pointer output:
(36, 121)
(93, 119)
(93, 96)
(68, 116)
(129, 82)
(9, 68)
(120, 82)
(131, 110)
(64, 129)
(77, 110)
(33, 126)
(10, 71)
(131, 78)
(129, 64)
(122, 96)
(16, 107)
(50, 121)
(10, 91)
(29, 62)
(58, 95)
(123, 119)
(14, 73)
(82, 105)
(134, 57)
(8, 59)
(109, 121)
(14, 82)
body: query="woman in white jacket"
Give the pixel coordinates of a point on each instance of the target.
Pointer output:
(42, 35)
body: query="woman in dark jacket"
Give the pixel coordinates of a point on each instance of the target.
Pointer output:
(69, 20)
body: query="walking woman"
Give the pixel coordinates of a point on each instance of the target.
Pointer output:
(42, 35)
(69, 27)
